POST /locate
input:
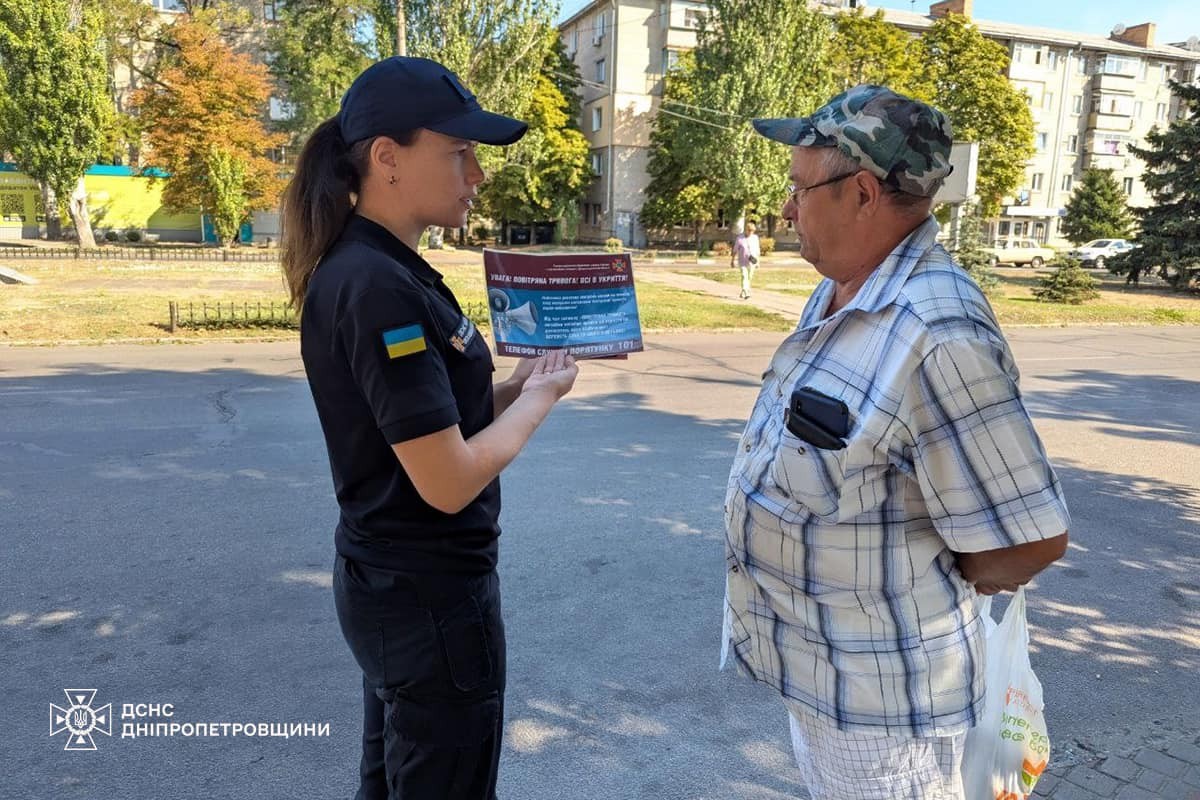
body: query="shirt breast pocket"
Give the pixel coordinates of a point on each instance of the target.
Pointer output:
(832, 485)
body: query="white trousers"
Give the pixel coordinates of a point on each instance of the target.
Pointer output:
(848, 766)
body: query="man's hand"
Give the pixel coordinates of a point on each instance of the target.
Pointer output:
(1009, 568)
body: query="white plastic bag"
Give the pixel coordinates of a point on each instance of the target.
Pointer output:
(1007, 751)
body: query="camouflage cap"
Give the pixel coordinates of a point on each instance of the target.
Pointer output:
(903, 142)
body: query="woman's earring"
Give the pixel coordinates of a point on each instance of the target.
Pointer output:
(391, 179)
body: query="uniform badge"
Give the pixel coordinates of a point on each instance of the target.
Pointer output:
(463, 335)
(404, 341)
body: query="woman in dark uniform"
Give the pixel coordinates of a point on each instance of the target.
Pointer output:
(416, 430)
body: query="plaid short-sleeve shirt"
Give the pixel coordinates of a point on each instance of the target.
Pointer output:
(841, 587)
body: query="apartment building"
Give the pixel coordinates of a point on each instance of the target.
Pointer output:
(1091, 97)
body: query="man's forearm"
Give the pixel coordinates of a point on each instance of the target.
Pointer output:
(1006, 569)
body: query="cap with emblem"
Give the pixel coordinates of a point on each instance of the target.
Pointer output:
(903, 142)
(401, 94)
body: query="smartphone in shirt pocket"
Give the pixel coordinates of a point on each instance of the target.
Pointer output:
(817, 418)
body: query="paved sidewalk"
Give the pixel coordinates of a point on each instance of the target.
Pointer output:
(787, 305)
(1172, 773)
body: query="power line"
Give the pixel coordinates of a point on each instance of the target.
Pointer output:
(693, 119)
(595, 85)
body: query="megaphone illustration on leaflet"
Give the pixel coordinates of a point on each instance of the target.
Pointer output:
(524, 317)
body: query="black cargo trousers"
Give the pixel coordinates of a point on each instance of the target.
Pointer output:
(432, 651)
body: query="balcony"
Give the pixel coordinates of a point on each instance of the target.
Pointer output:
(1109, 82)
(1110, 122)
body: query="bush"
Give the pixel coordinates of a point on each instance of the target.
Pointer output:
(1069, 283)
(613, 245)
(766, 245)
(721, 249)
(111, 236)
(133, 236)
(483, 232)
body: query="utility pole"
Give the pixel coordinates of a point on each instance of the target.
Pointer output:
(401, 34)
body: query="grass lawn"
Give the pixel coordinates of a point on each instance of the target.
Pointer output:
(1014, 303)
(88, 301)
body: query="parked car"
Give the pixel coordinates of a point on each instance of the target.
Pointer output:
(1095, 252)
(1018, 252)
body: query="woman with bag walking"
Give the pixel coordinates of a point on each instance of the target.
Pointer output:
(417, 432)
(746, 252)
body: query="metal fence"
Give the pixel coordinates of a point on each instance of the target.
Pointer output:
(147, 253)
(208, 315)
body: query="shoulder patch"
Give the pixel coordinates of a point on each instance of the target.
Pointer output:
(404, 341)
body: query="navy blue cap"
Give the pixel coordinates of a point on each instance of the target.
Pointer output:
(402, 94)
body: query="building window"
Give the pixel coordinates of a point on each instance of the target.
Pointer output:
(1052, 59)
(670, 60)
(597, 213)
(1073, 143)
(597, 118)
(1003, 228)
(598, 162)
(1118, 65)
(1067, 182)
(1119, 104)
(1058, 226)
(1039, 231)
(270, 13)
(1047, 100)
(573, 43)
(1041, 141)
(1035, 182)
(598, 28)
(1127, 185)
(692, 17)
(1110, 147)
(1081, 64)
(1138, 107)
(1167, 72)
(1077, 104)
(600, 71)
(1160, 112)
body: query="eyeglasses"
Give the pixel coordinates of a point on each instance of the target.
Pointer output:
(796, 192)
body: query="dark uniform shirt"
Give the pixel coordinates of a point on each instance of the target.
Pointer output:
(390, 357)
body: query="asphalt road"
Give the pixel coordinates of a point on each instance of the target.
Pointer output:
(166, 518)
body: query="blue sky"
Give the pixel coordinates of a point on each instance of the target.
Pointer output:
(1176, 19)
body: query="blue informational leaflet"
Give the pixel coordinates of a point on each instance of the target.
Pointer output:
(584, 303)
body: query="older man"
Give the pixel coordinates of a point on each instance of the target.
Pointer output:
(889, 472)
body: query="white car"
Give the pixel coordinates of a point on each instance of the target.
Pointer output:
(1097, 251)
(1018, 252)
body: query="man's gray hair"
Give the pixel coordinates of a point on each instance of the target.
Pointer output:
(834, 162)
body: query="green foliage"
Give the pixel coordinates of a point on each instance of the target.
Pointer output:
(1098, 209)
(613, 245)
(970, 85)
(1069, 283)
(55, 108)
(968, 250)
(227, 188)
(1169, 237)
(317, 50)
(742, 69)
(547, 171)
(766, 245)
(867, 49)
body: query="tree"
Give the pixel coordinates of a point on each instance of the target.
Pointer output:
(204, 126)
(546, 171)
(867, 49)
(1169, 237)
(968, 249)
(55, 107)
(1069, 283)
(317, 50)
(753, 58)
(968, 74)
(1097, 209)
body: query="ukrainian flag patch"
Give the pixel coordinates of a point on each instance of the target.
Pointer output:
(404, 341)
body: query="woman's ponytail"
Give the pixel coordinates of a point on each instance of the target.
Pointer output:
(316, 205)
